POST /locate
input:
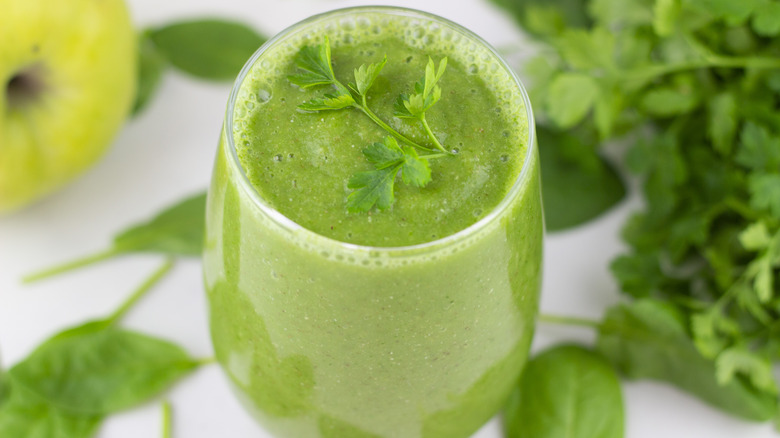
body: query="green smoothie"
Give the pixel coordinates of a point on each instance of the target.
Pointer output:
(403, 323)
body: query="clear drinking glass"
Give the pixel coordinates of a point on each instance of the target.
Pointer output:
(323, 338)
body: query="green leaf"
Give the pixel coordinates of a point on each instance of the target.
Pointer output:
(639, 274)
(739, 359)
(566, 392)
(365, 75)
(25, 415)
(766, 19)
(764, 280)
(374, 187)
(705, 334)
(151, 65)
(317, 66)
(621, 13)
(765, 192)
(415, 171)
(648, 340)
(426, 94)
(336, 101)
(722, 121)
(383, 155)
(177, 230)
(758, 149)
(432, 75)
(755, 237)
(208, 48)
(666, 16)
(688, 232)
(592, 49)
(96, 369)
(667, 102)
(748, 299)
(571, 97)
(547, 18)
(399, 108)
(606, 112)
(574, 193)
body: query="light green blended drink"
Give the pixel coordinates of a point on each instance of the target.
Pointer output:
(412, 321)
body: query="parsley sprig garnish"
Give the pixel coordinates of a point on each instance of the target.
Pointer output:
(376, 187)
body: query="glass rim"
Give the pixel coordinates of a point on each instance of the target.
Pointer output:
(290, 225)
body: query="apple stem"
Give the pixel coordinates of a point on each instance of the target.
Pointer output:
(70, 266)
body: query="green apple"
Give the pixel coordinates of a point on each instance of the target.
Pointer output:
(67, 83)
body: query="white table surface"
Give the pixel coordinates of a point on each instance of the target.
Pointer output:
(167, 153)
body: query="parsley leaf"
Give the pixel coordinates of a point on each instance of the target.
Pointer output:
(766, 19)
(759, 149)
(765, 192)
(375, 187)
(426, 93)
(365, 75)
(331, 101)
(722, 121)
(571, 97)
(755, 237)
(415, 171)
(383, 155)
(315, 61)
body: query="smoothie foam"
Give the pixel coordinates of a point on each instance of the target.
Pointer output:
(300, 162)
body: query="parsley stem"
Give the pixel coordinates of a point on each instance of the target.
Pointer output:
(430, 134)
(166, 420)
(367, 111)
(741, 208)
(430, 156)
(569, 320)
(712, 62)
(70, 266)
(145, 287)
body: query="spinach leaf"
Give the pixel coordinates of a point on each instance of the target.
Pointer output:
(648, 340)
(209, 48)
(566, 392)
(97, 369)
(151, 66)
(26, 415)
(575, 190)
(177, 231)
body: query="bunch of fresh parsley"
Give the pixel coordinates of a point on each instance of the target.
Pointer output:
(692, 87)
